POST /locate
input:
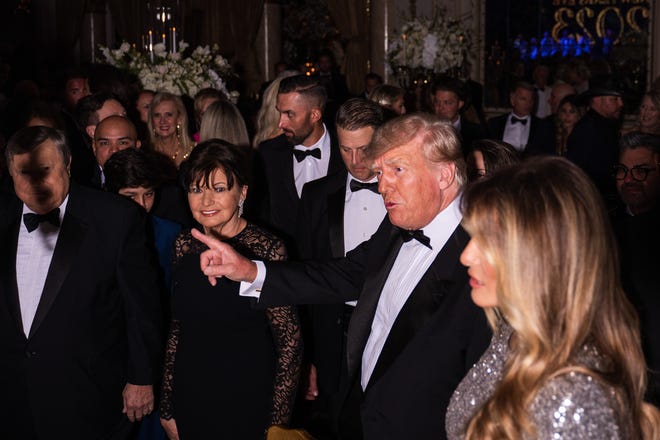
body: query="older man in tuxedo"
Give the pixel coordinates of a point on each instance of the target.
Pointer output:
(79, 307)
(414, 332)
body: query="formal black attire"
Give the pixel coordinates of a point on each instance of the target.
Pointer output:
(541, 136)
(437, 336)
(230, 371)
(96, 327)
(469, 133)
(639, 248)
(273, 199)
(593, 146)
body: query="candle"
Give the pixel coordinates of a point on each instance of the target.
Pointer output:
(405, 54)
(173, 39)
(151, 46)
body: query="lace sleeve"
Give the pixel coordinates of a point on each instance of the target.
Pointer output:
(182, 246)
(285, 327)
(165, 409)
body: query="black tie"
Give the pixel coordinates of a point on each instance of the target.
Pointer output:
(302, 154)
(32, 220)
(357, 186)
(417, 234)
(522, 121)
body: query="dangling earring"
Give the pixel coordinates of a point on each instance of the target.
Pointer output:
(178, 131)
(240, 207)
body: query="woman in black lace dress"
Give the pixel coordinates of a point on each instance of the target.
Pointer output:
(231, 371)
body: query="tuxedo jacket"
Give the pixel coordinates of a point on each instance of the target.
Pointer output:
(320, 236)
(96, 326)
(273, 201)
(436, 338)
(469, 133)
(541, 135)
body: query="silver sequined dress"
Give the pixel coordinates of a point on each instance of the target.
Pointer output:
(570, 406)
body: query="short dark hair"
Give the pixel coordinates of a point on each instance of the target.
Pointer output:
(358, 113)
(131, 168)
(449, 85)
(214, 154)
(496, 154)
(308, 87)
(89, 105)
(637, 139)
(522, 85)
(28, 139)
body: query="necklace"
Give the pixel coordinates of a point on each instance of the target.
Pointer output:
(162, 149)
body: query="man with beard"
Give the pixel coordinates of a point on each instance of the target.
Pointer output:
(306, 151)
(636, 226)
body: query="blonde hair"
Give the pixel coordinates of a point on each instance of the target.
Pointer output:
(182, 128)
(268, 118)
(543, 227)
(439, 140)
(222, 120)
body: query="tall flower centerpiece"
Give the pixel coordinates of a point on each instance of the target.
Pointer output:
(425, 47)
(160, 70)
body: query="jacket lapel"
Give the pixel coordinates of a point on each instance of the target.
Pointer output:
(359, 327)
(8, 265)
(336, 221)
(72, 234)
(422, 303)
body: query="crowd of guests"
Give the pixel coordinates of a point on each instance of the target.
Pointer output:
(447, 276)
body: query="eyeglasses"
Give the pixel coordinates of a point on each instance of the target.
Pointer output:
(638, 173)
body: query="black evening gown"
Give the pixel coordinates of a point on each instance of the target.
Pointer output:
(221, 364)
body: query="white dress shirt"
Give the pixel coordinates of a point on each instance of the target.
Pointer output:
(364, 211)
(517, 134)
(34, 253)
(543, 109)
(412, 262)
(409, 267)
(312, 168)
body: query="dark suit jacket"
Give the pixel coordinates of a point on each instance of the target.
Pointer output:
(470, 132)
(541, 135)
(320, 236)
(273, 200)
(438, 335)
(96, 327)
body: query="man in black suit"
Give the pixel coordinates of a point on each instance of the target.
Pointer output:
(594, 142)
(414, 332)
(79, 307)
(337, 213)
(447, 97)
(527, 133)
(306, 151)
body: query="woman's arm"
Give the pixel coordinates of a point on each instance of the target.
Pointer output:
(285, 328)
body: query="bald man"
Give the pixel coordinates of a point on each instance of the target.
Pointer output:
(112, 134)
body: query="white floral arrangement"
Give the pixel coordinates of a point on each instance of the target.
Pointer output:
(171, 71)
(437, 45)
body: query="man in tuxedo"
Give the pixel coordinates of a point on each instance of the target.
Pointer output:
(527, 133)
(306, 151)
(337, 213)
(79, 306)
(447, 99)
(112, 134)
(414, 332)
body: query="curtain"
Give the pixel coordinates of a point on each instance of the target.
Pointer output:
(350, 17)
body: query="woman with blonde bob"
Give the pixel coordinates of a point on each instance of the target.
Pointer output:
(565, 360)
(223, 120)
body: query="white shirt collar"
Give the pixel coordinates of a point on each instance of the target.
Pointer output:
(444, 224)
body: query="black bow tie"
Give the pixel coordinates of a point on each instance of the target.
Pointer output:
(357, 186)
(302, 154)
(522, 121)
(417, 234)
(32, 220)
